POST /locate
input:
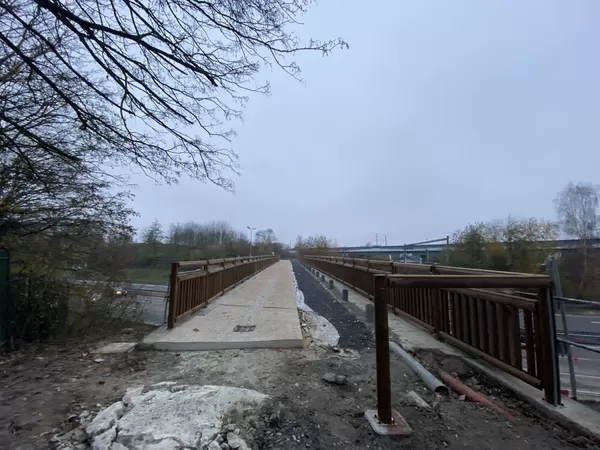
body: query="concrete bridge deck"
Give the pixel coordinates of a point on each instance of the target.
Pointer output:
(259, 313)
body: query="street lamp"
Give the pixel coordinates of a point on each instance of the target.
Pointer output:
(251, 229)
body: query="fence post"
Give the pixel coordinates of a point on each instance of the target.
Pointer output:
(382, 349)
(173, 295)
(550, 371)
(235, 272)
(6, 297)
(223, 278)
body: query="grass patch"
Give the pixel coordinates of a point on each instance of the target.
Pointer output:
(148, 275)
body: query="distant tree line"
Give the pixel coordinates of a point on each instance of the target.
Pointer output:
(315, 244)
(198, 241)
(522, 245)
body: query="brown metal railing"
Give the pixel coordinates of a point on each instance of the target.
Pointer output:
(464, 308)
(189, 291)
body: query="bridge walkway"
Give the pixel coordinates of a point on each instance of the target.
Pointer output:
(259, 313)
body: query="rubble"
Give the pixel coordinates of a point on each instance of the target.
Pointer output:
(166, 416)
(333, 378)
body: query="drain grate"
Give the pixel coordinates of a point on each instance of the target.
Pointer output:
(244, 328)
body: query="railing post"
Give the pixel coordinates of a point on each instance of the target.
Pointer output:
(173, 295)
(371, 287)
(550, 370)
(223, 278)
(235, 272)
(206, 281)
(382, 344)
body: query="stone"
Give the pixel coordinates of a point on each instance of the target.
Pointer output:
(78, 435)
(117, 446)
(103, 441)
(329, 377)
(341, 379)
(332, 378)
(98, 360)
(105, 419)
(234, 441)
(165, 444)
(128, 331)
(192, 416)
(214, 445)
(133, 395)
(417, 400)
(225, 446)
(84, 415)
(274, 420)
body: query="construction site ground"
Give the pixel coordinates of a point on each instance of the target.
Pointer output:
(45, 388)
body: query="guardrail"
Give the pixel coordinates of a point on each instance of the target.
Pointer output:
(189, 291)
(464, 308)
(567, 339)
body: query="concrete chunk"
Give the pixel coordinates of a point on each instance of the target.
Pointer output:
(417, 400)
(105, 419)
(104, 441)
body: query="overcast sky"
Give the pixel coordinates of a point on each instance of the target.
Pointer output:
(440, 113)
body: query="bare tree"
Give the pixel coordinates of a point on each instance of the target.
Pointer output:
(266, 236)
(154, 82)
(577, 209)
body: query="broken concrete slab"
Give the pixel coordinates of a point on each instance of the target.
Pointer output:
(106, 419)
(104, 440)
(170, 416)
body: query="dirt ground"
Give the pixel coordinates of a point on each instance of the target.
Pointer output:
(44, 389)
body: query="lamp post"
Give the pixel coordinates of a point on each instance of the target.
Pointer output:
(251, 229)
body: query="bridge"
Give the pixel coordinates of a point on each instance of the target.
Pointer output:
(255, 302)
(424, 252)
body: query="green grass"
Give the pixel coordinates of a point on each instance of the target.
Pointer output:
(148, 275)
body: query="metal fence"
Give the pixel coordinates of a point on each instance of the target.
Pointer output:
(468, 308)
(6, 306)
(189, 291)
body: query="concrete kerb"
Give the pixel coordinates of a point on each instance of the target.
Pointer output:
(571, 415)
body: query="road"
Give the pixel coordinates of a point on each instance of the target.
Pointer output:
(152, 302)
(149, 287)
(580, 323)
(587, 373)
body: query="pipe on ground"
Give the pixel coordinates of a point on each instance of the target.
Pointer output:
(430, 381)
(475, 396)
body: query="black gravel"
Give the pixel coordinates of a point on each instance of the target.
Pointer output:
(353, 332)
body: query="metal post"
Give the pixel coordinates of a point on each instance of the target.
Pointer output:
(447, 250)
(550, 372)
(382, 344)
(563, 316)
(173, 295)
(251, 229)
